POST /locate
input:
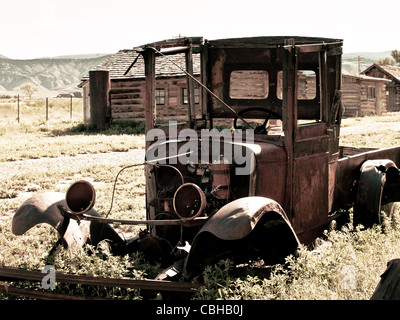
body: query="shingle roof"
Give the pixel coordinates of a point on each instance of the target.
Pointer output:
(391, 71)
(364, 77)
(128, 63)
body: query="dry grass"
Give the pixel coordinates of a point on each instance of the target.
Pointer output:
(374, 131)
(39, 110)
(38, 140)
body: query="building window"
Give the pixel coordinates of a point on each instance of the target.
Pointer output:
(196, 95)
(371, 93)
(160, 96)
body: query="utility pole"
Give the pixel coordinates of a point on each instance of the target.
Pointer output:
(359, 64)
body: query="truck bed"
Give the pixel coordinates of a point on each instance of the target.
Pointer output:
(348, 169)
(352, 151)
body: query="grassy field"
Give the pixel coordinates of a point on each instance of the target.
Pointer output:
(343, 264)
(24, 110)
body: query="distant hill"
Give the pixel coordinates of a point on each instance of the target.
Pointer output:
(83, 56)
(350, 60)
(51, 75)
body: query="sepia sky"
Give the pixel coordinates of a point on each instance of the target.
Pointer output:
(48, 28)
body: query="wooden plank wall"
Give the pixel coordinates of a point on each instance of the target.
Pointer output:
(397, 107)
(306, 85)
(393, 103)
(368, 105)
(248, 84)
(127, 100)
(355, 97)
(351, 99)
(393, 98)
(371, 106)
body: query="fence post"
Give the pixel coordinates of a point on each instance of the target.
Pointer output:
(47, 109)
(70, 110)
(18, 108)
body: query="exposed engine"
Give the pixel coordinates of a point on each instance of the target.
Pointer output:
(201, 190)
(188, 192)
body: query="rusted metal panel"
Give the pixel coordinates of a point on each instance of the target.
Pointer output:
(243, 229)
(289, 117)
(311, 146)
(190, 85)
(310, 208)
(271, 41)
(304, 48)
(332, 168)
(311, 130)
(150, 97)
(174, 44)
(271, 172)
(348, 172)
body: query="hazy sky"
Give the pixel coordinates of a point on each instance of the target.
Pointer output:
(34, 29)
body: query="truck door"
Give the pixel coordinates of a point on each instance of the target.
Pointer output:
(309, 84)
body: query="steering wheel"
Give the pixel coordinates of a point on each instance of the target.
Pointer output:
(260, 128)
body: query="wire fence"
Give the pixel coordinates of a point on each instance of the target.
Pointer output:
(19, 109)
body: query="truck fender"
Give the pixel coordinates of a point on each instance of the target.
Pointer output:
(43, 208)
(246, 229)
(374, 174)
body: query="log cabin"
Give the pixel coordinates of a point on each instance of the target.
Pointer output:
(393, 87)
(127, 87)
(363, 95)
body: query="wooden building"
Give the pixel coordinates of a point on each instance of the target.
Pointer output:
(127, 87)
(393, 87)
(363, 95)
